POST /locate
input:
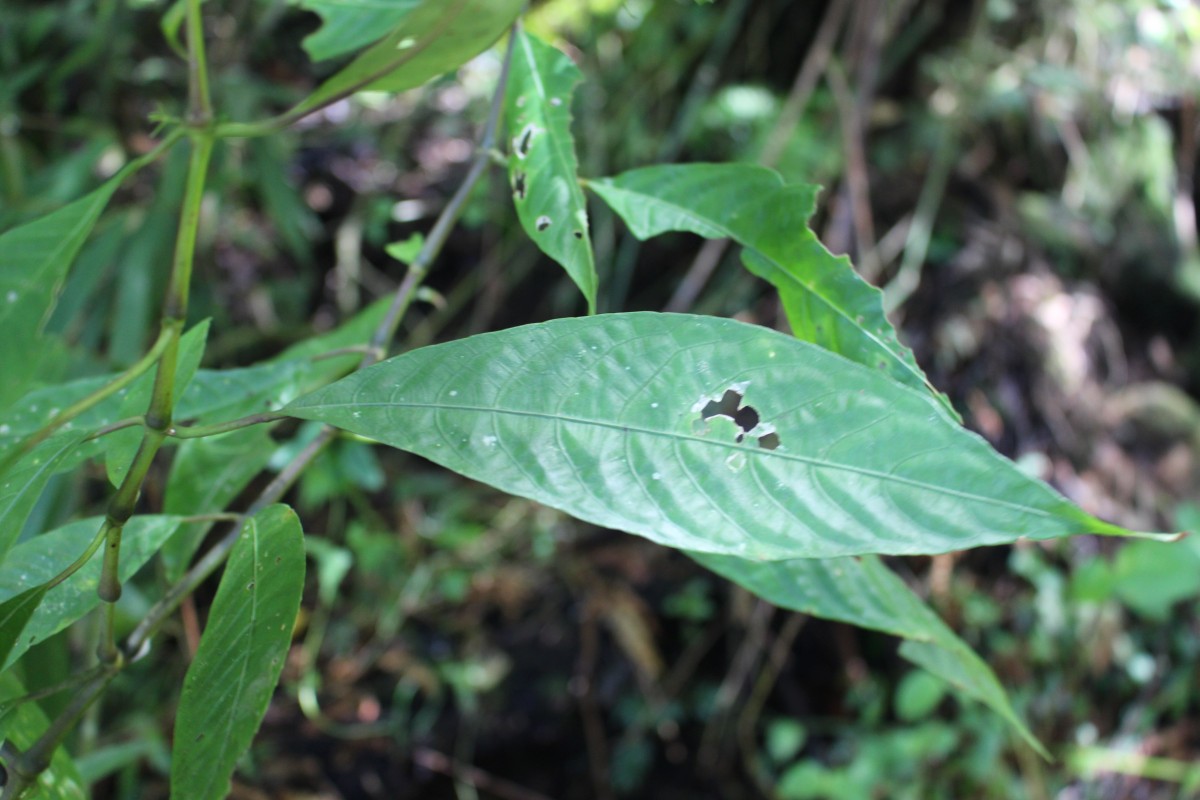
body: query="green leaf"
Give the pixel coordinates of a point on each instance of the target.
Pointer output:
(1152, 576)
(206, 475)
(826, 301)
(542, 168)
(701, 433)
(864, 592)
(22, 484)
(241, 654)
(14, 615)
(36, 258)
(351, 24)
(22, 726)
(36, 561)
(121, 447)
(434, 38)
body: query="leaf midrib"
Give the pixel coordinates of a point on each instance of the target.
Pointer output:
(760, 453)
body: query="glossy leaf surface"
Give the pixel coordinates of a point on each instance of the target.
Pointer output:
(826, 301)
(864, 592)
(434, 38)
(37, 560)
(36, 257)
(241, 654)
(701, 433)
(542, 168)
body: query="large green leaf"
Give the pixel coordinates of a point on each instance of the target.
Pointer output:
(35, 258)
(434, 38)
(37, 560)
(15, 613)
(22, 725)
(542, 168)
(205, 476)
(866, 593)
(241, 654)
(701, 433)
(22, 485)
(351, 24)
(826, 301)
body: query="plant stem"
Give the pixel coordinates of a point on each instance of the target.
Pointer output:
(201, 431)
(199, 101)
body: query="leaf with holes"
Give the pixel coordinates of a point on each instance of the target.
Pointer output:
(701, 433)
(826, 301)
(241, 654)
(866, 593)
(541, 162)
(351, 24)
(36, 258)
(434, 38)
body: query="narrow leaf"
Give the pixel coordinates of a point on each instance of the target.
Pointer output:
(542, 168)
(864, 592)
(701, 433)
(36, 258)
(434, 38)
(241, 654)
(35, 561)
(14, 615)
(826, 301)
(22, 484)
(351, 24)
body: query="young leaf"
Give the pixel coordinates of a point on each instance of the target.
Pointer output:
(22, 484)
(36, 258)
(37, 560)
(434, 38)
(826, 301)
(701, 433)
(22, 726)
(351, 24)
(241, 654)
(864, 592)
(542, 168)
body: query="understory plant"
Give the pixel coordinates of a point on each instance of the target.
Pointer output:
(789, 464)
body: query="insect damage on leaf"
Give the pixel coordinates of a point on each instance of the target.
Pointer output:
(519, 185)
(747, 418)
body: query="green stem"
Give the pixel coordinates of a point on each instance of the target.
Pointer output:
(201, 431)
(199, 101)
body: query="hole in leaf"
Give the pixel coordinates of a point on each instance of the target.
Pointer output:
(746, 418)
(519, 185)
(521, 143)
(577, 234)
(542, 222)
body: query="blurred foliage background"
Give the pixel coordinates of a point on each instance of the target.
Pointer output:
(1018, 177)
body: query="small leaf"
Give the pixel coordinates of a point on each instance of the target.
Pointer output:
(35, 561)
(826, 301)
(434, 38)
(14, 615)
(36, 258)
(241, 654)
(542, 167)
(22, 484)
(627, 421)
(864, 592)
(351, 24)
